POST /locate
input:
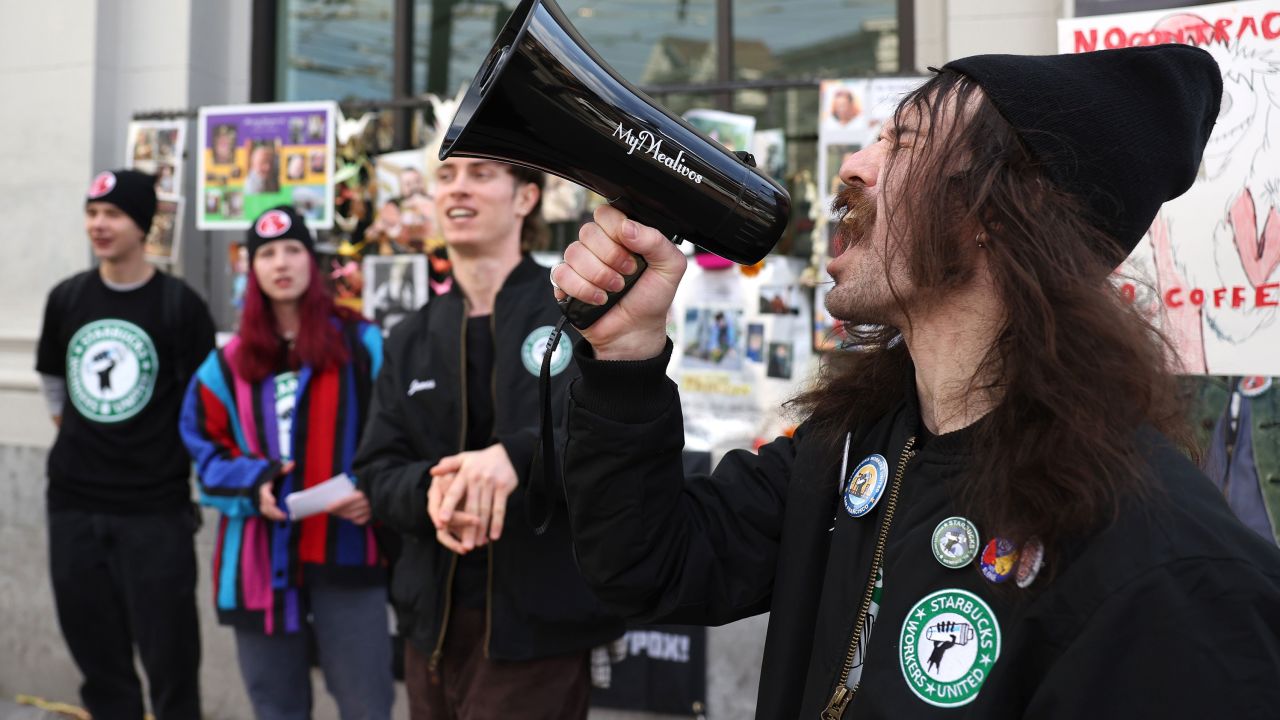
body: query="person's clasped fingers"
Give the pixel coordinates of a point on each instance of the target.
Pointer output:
(471, 538)
(451, 499)
(485, 507)
(445, 538)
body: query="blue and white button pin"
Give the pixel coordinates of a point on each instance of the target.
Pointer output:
(865, 485)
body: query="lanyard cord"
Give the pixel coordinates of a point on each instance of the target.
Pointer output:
(540, 489)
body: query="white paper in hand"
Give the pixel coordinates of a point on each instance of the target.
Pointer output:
(315, 499)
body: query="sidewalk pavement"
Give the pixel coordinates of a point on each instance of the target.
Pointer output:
(12, 711)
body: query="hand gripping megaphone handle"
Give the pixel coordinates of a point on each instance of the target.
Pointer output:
(582, 315)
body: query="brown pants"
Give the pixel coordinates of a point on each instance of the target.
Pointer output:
(466, 686)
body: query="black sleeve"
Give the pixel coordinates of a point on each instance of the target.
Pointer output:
(653, 546)
(387, 468)
(198, 335)
(50, 351)
(1195, 639)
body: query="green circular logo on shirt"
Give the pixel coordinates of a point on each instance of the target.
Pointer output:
(535, 346)
(111, 370)
(949, 642)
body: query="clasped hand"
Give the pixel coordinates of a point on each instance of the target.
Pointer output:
(467, 500)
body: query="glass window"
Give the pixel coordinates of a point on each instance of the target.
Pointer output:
(814, 38)
(795, 112)
(451, 38)
(334, 49)
(649, 42)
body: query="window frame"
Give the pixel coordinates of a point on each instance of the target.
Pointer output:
(264, 47)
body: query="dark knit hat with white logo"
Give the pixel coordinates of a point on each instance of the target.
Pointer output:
(1123, 130)
(132, 191)
(279, 223)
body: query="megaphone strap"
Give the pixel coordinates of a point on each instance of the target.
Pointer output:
(540, 489)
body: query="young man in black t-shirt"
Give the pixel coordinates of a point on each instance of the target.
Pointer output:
(118, 346)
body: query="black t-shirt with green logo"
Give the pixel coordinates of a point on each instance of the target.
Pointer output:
(127, 357)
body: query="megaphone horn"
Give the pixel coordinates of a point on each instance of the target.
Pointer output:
(544, 99)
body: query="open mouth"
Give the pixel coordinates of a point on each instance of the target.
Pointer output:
(854, 213)
(460, 213)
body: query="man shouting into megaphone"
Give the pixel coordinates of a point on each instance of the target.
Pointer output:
(1008, 417)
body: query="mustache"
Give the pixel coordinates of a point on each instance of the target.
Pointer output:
(854, 212)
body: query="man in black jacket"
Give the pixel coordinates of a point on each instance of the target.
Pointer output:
(983, 513)
(499, 622)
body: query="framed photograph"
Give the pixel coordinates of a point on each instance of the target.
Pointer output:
(394, 287)
(755, 342)
(255, 157)
(780, 300)
(770, 149)
(712, 338)
(401, 174)
(157, 147)
(731, 130)
(161, 244)
(781, 359)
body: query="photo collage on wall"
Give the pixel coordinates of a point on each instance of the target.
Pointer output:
(256, 157)
(158, 147)
(743, 348)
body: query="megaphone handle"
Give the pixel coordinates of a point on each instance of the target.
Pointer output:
(582, 315)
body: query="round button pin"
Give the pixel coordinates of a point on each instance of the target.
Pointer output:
(1029, 563)
(1254, 386)
(999, 560)
(865, 485)
(955, 542)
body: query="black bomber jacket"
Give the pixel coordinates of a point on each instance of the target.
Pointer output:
(537, 603)
(1171, 611)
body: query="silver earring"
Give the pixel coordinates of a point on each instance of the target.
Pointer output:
(979, 240)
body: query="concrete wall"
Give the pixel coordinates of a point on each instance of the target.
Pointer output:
(72, 74)
(46, 149)
(950, 29)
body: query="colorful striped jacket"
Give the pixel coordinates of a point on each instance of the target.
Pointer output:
(230, 427)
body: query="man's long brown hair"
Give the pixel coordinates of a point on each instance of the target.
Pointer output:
(1074, 371)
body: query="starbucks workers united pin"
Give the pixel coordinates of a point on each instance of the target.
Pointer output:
(949, 642)
(955, 542)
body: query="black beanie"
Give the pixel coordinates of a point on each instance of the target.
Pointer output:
(1123, 130)
(279, 223)
(132, 191)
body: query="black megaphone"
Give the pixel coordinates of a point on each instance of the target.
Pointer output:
(544, 99)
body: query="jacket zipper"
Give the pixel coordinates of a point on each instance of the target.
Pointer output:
(493, 399)
(438, 653)
(842, 695)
